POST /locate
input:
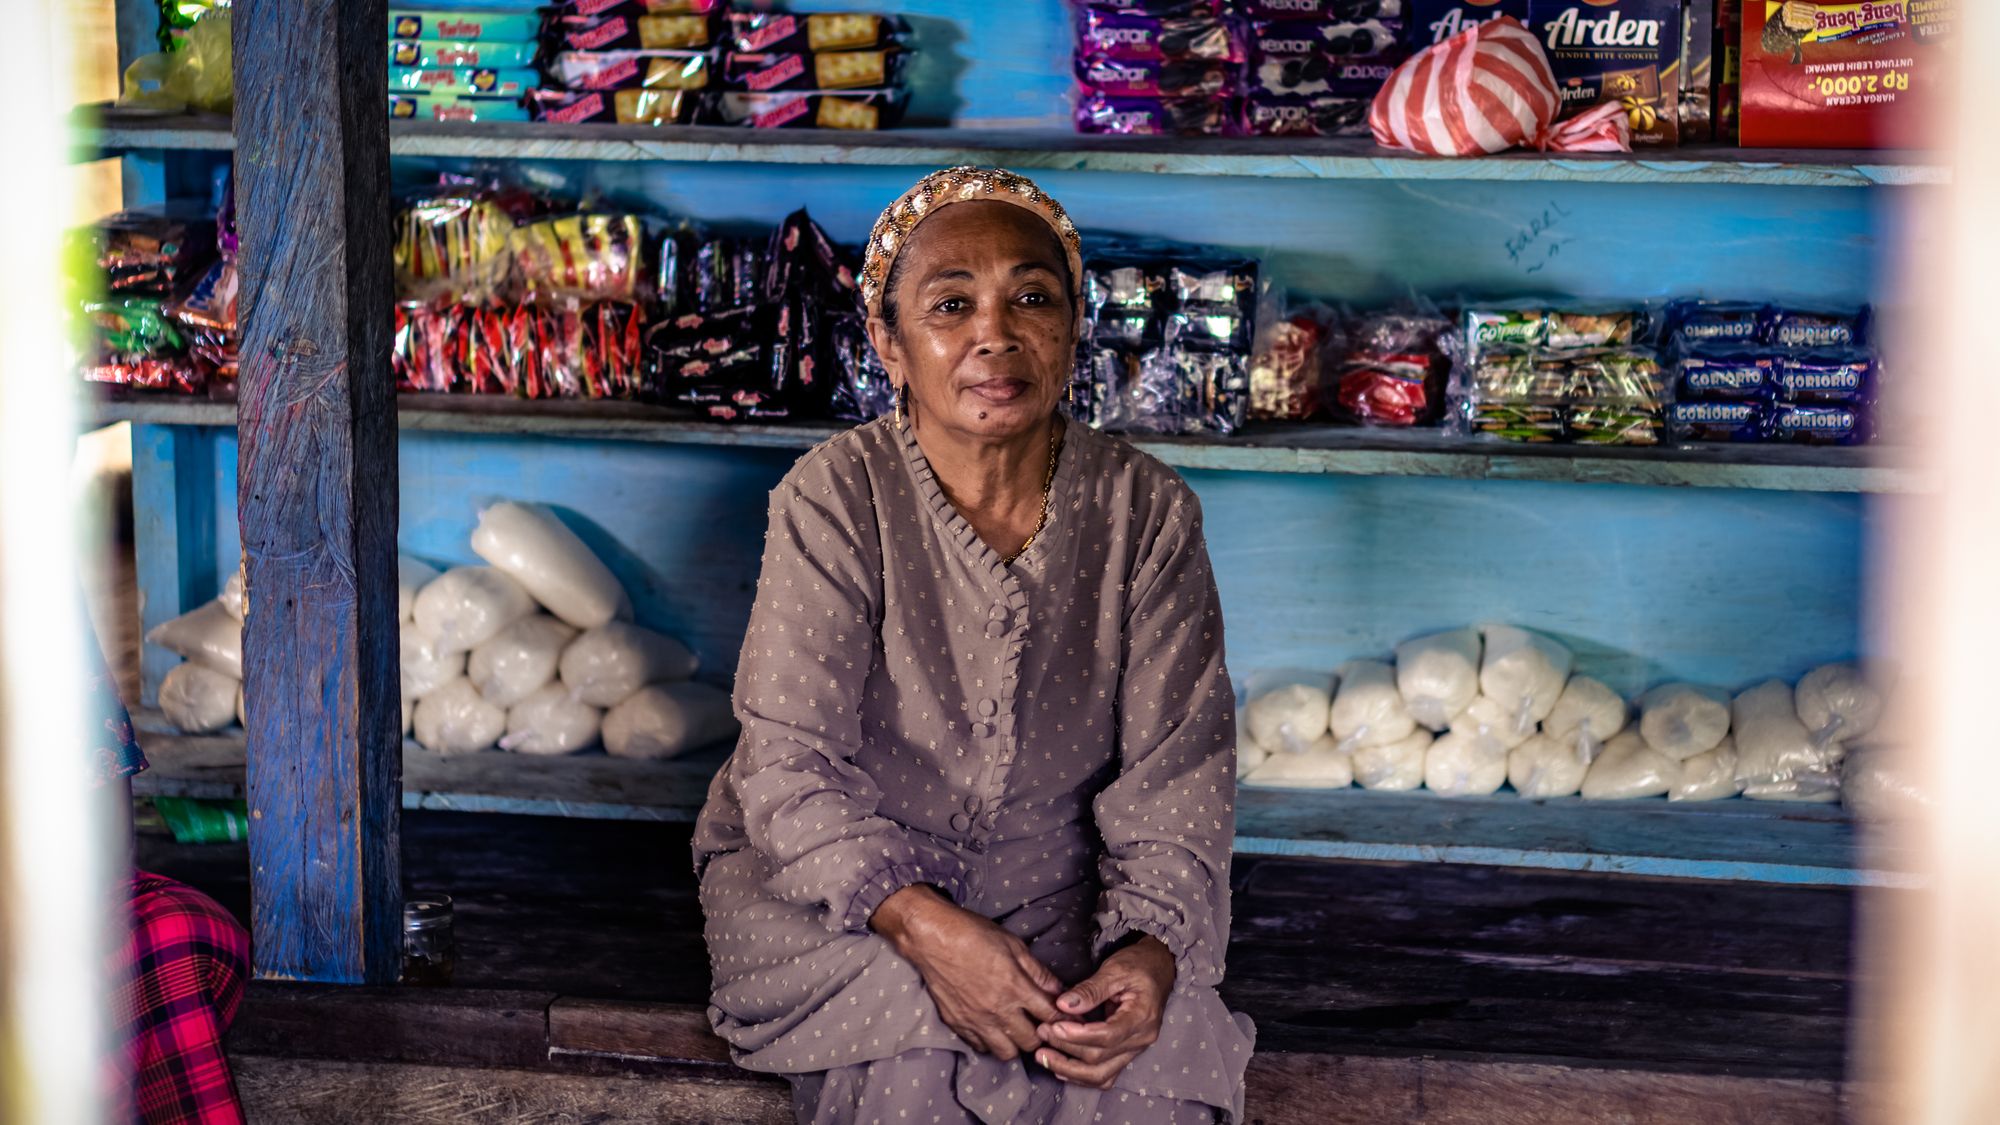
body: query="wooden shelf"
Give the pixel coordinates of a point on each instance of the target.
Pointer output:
(1738, 840)
(101, 131)
(1262, 448)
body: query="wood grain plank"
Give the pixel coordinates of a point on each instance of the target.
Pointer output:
(317, 488)
(678, 1032)
(457, 1027)
(281, 1091)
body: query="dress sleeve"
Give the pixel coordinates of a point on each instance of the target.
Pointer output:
(807, 807)
(1168, 820)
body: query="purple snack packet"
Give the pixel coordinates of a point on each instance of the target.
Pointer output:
(1718, 421)
(1312, 76)
(1323, 9)
(1834, 376)
(1306, 117)
(1159, 9)
(1153, 117)
(1795, 328)
(1183, 78)
(1340, 39)
(1819, 425)
(1134, 38)
(1725, 371)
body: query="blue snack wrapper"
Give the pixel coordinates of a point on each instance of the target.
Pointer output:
(1726, 372)
(1819, 425)
(1741, 420)
(1715, 322)
(1833, 376)
(1797, 328)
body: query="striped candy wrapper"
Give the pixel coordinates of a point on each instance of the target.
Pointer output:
(1487, 89)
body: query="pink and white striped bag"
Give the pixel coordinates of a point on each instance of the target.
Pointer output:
(1487, 89)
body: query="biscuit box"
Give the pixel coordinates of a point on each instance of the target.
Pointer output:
(1434, 21)
(1841, 75)
(1623, 51)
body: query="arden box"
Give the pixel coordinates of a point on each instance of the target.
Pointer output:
(1623, 51)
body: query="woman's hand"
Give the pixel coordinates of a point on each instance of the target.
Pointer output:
(988, 987)
(1132, 986)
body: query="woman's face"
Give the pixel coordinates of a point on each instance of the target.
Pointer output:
(985, 333)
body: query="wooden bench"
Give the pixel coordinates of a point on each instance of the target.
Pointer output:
(1382, 993)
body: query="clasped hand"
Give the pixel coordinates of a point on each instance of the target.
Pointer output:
(1002, 1001)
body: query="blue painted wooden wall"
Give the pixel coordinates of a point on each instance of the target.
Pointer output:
(1646, 583)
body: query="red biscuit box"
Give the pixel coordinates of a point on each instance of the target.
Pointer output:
(1841, 75)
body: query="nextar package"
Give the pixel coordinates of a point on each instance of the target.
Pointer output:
(1624, 51)
(1830, 75)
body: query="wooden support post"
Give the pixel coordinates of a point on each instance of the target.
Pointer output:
(316, 494)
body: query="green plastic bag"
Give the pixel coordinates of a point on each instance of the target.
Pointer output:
(196, 821)
(195, 75)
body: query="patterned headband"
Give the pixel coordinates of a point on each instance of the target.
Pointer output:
(964, 184)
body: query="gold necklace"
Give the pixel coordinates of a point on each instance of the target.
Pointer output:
(1048, 482)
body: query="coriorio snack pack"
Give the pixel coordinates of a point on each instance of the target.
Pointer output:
(1626, 52)
(1840, 75)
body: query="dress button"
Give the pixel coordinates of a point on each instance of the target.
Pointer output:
(960, 822)
(988, 706)
(972, 804)
(998, 611)
(983, 730)
(996, 629)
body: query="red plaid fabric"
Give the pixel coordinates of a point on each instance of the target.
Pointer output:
(181, 977)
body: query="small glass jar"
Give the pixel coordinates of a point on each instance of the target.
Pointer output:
(430, 952)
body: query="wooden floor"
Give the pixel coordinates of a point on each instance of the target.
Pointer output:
(1355, 973)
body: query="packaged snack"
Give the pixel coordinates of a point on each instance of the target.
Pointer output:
(1628, 55)
(635, 8)
(1160, 9)
(1726, 371)
(1140, 38)
(781, 32)
(621, 32)
(1728, 70)
(834, 70)
(593, 353)
(1187, 392)
(1487, 329)
(1793, 328)
(1826, 376)
(136, 344)
(1306, 117)
(1707, 421)
(1322, 10)
(144, 252)
(1430, 22)
(1304, 76)
(1121, 301)
(454, 246)
(455, 107)
(804, 109)
(861, 388)
(1818, 425)
(1147, 117)
(578, 258)
(617, 107)
(1698, 72)
(1714, 322)
(1286, 370)
(1612, 376)
(463, 81)
(464, 26)
(1615, 425)
(1535, 425)
(1570, 329)
(1181, 78)
(621, 70)
(443, 54)
(728, 273)
(1395, 370)
(1335, 39)
(1842, 74)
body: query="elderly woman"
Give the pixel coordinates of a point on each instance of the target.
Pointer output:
(970, 859)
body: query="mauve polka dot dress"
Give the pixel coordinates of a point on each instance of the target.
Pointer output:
(1051, 743)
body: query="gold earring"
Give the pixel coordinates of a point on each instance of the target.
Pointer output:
(902, 393)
